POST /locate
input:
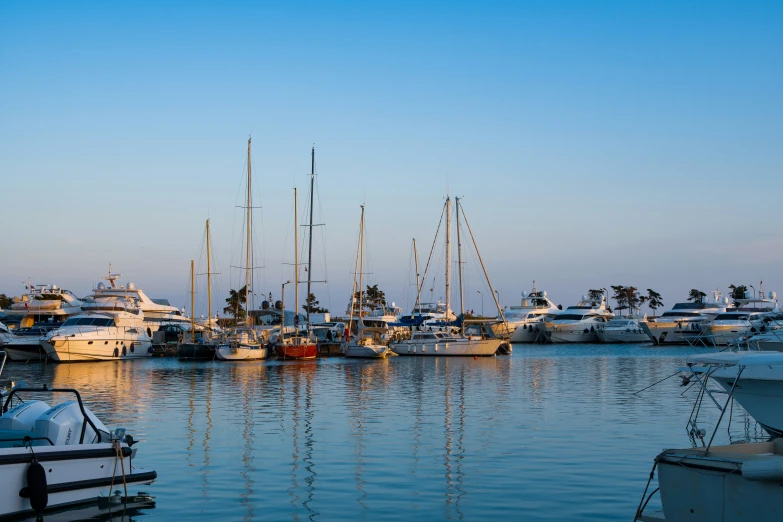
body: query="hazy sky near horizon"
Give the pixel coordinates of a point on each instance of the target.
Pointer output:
(594, 143)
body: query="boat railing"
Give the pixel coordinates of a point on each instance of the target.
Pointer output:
(87, 420)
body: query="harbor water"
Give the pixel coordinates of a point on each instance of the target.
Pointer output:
(551, 432)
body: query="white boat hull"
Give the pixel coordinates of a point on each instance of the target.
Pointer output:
(241, 353)
(74, 474)
(570, 333)
(635, 335)
(24, 351)
(367, 352)
(721, 335)
(461, 347)
(527, 333)
(74, 349)
(759, 391)
(667, 333)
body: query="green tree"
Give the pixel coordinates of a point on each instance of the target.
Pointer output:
(5, 301)
(236, 301)
(697, 296)
(737, 293)
(595, 295)
(620, 296)
(654, 300)
(373, 298)
(312, 302)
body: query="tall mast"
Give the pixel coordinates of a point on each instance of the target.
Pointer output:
(296, 259)
(192, 300)
(459, 262)
(418, 287)
(209, 282)
(361, 270)
(248, 259)
(448, 256)
(310, 247)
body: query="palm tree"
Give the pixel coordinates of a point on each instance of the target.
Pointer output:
(312, 303)
(236, 300)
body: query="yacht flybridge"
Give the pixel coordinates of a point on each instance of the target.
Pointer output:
(523, 320)
(578, 323)
(155, 311)
(472, 339)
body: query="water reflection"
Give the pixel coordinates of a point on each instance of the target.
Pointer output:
(550, 433)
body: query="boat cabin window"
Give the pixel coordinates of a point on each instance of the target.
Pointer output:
(681, 314)
(689, 306)
(88, 321)
(569, 317)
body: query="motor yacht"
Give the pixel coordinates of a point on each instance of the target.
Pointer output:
(625, 329)
(24, 344)
(61, 455)
(523, 320)
(111, 328)
(750, 318)
(155, 311)
(685, 321)
(578, 323)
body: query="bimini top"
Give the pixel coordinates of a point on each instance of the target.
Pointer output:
(738, 359)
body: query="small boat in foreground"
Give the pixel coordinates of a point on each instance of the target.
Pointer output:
(62, 455)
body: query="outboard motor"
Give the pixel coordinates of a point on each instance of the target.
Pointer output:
(19, 421)
(63, 425)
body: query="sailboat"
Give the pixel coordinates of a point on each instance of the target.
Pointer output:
(363, 345)
(472, 341)
(244, 343)
(200, 344)
(296, 344)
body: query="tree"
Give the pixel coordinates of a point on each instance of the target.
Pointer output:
(654, 300)
(373, 298)
(5, 301)
(313, 303)
(620, 296)
(595, 295)
(697, 296)
(737, 293)
(236, 301)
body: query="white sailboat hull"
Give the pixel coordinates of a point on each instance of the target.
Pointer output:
(460, 347)
(367, 352)
(241, 353)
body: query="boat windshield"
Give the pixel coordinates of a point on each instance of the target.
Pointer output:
(689, 306)
(569, 317)
(88, 321)
(681, 314)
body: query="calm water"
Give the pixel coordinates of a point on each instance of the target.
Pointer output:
(549, 433)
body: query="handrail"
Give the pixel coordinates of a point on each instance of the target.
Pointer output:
(87, 419)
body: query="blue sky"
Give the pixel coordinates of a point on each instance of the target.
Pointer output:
(594, 143)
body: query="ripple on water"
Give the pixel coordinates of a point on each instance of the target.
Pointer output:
(550, 433)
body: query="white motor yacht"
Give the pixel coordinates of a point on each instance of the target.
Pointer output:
(155, 311)
(738, 482)
(110, 329)
(625, 329)
(578, 323)
(685, 321)
(750, 318)
(62, 455)
(523, 320)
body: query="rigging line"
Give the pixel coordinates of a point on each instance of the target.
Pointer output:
(437, 231)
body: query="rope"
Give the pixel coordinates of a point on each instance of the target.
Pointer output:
(642, 502)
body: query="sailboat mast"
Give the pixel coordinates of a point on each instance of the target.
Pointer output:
(192, 299)
(209, 282)
(296, 259)
(248, 259)
(310, 247)
(361, 270)
(448, 256)
(418, 286)
(459, 262)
